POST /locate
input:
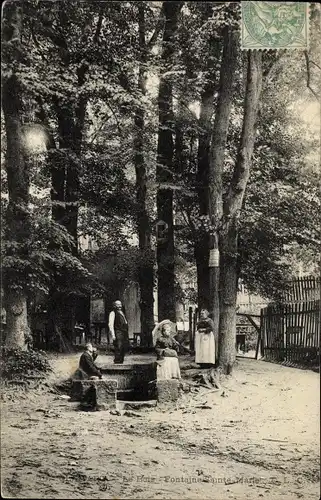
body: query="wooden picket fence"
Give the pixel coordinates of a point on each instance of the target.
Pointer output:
(302, 290)
(288, 331)
(291, 331)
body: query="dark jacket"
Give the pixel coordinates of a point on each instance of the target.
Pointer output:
(164, 345)
(206, 324)
(86, 364)
(120, 323)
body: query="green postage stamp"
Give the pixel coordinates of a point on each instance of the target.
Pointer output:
(275, 25)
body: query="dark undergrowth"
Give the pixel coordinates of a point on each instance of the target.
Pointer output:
(23, 365)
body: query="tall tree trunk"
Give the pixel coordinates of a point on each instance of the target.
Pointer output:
(216, 164)
(228, 296)
(17, 215)
(232, 208)
(65, 178)
(64, 196)
(201, 253)
(65, 160)
(65, 201)
(73, 141)
(164, 174)
(201, 247)
(146, 267)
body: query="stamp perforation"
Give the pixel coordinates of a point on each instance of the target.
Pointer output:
(275, 25)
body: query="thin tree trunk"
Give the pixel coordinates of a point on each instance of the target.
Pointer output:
(146, 267)
(216, 164)
(232, 209)
(164, 174)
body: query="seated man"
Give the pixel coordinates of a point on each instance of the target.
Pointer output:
(87, 367)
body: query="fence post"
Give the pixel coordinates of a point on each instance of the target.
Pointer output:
(194, 324)
(259, 341)
(262, 333)
(190, 327)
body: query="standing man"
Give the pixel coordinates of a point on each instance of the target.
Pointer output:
(118, 327)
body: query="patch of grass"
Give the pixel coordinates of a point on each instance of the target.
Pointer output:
(20, 364)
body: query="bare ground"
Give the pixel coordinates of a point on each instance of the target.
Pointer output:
(260, 438)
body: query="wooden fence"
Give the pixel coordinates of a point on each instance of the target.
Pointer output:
(302, 290)
(291, 332)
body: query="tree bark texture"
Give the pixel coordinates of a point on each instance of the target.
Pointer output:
(228, 295)
(146, 266)
(65, 173)
(201, 255)
(17, 214)
(70, 124)
(64, 197)
(216, 161)
(65, 187)
(164, 173)
(17, 328)
(232, 208)
(201, 248)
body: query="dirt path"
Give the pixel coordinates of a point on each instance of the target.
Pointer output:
(262, 440)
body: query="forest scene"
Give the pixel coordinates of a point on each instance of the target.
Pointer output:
(148, 160)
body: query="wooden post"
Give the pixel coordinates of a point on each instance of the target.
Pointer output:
(194, 324)
(190, 327)
(283, 312)
(262, 334)
(259, 341)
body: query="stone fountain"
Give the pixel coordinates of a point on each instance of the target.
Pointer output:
(128, 385)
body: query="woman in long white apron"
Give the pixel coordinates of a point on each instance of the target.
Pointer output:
(205, 340)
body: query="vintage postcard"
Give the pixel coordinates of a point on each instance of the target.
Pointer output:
(160, 230)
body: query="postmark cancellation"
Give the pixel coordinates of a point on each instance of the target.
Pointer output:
(274, 25)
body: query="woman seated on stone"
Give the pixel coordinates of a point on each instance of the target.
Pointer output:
(204, 340)
(166, 348)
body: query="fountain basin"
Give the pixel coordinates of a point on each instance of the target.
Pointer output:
(139, 378)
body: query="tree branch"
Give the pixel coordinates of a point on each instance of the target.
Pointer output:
(267, 73)
(99, 23)
(80, 110)
(308, 62)
(187, 217)
(116, 119)
(221, 125)
(99, 129)
(158, 28)
(185, 105)
(33, 35)
(234, 199)
(315, 64)
(42, 115)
